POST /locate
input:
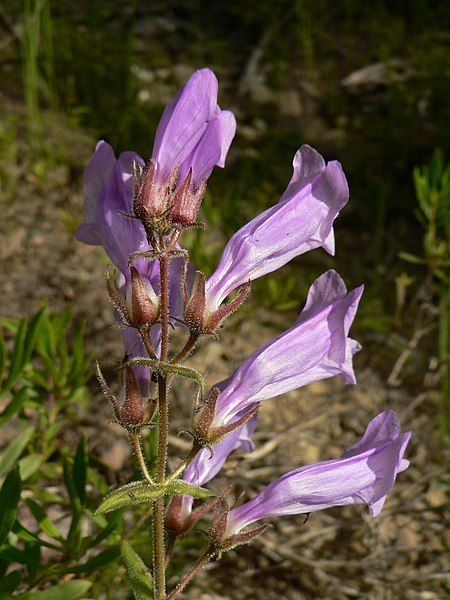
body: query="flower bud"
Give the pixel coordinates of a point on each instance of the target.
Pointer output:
(186, 202)
(132, 410)
(194, 307)
(144, 302)
(147, 198)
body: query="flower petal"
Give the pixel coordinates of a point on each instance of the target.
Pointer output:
(184, 121)
(359, 477)
(301, 221)
(212, 148)
(315, 348)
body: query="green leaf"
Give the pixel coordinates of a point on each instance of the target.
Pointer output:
(70, 590)
(30, 337)
(29, 465)
(43, 520)
(114, 521)
(102, 559)
(138, 492)
(9, 584)
(183, 371)
(74, 537)
(137, 573)
(9, 500)
(179, 487)
(71, 489)
(132, 493)
(80, 465)
(25, 535)
(11, 554)
(14, 450)
(411, 258)
(169, 369)
(14, 405)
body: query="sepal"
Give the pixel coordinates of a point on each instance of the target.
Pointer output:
(215, 319)
(178, 522)
(194, 307)
(118, 300)
(239, 539)
(144, 302)
(206, 433)
(106, 391)
(132, 410)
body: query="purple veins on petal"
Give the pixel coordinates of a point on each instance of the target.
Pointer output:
(316, 347)
(364, 474)
(301, 221)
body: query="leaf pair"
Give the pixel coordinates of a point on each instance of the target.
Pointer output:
(138, 492)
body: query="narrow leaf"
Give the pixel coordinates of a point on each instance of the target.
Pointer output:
(137, 573)
(9, 500)
(29, 465)
(14, 405)
(9, 584)
(25, 535)
(183, 371)
(3, 355)
(70, 590)
(79, 470)
(14, 450)
(135, 492)
(16, 365)
(30, 337)
(102, 559)
(178, 487)
(43, 520)
(11, 554)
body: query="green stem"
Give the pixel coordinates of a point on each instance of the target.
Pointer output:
(159, 566)
(134, 437)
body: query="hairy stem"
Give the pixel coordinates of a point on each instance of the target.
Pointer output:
(198, 566)
(159, 566)
(187, 349)
(145, 337)
(134, 437)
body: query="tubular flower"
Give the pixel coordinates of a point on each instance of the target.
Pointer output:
(364, 474)
(107, 202)
(203, 468)
(193, 136)
(316, 347)
(301, 221)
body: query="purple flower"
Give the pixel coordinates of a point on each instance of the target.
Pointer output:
(301, 221)
(107, 201)
(364, 474)
(316, 347)
(193, 136)
(193, 132)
